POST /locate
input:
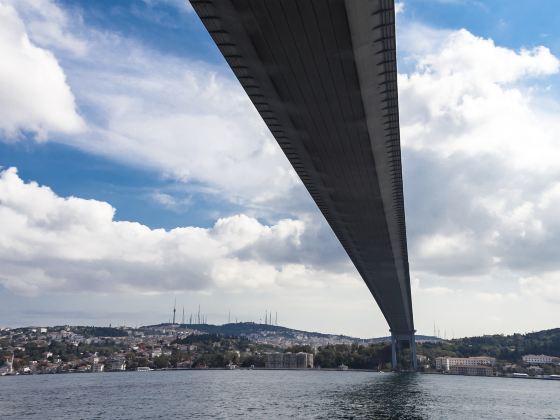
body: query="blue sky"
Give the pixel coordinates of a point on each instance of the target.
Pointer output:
(523, 24)
(134, 108)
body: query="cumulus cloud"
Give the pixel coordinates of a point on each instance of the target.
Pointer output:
(480, 158)
(55, 244)
(466, 96)
(34, 95)
(185, 119)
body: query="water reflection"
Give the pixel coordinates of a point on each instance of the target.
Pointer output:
(385, 396)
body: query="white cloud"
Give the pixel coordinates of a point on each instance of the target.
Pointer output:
(55, 244)
(172, 202)
(50, 26)
(34, 95)
(185, 119)
(480, 151)
(189, 122)
(467, 96)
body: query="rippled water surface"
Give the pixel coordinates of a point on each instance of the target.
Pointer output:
(275, 395)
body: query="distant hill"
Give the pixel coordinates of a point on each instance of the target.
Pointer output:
(251, 329)
(247, 328)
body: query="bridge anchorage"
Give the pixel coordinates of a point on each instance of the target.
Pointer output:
(323, 76)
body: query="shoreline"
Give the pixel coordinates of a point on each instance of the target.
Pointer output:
(547, 378)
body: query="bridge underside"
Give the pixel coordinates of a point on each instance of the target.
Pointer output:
(323, 76)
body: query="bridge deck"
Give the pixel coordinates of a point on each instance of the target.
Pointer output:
(322, 74)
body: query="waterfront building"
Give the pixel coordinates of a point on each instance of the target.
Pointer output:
(116, 364)
(471, 370)
(446, 363)
(274, 360)
(97, 367)
(299, 360)
(541, 359)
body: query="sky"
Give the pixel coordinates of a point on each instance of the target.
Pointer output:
(135, 171)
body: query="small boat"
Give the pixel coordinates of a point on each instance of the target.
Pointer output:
(143, 369)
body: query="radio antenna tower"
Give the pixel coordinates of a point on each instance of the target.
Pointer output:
(174, 310)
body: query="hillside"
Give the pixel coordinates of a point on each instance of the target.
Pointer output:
(266, 332)
(503, 347)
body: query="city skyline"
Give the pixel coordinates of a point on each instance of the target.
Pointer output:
(125, 191)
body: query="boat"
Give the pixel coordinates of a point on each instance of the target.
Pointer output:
(143, 369)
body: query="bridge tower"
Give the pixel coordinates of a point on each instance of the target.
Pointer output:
(396, 344)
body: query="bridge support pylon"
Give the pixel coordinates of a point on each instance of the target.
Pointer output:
(394, 351)
(396, 338)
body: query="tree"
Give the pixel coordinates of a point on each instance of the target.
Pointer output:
(161, 362)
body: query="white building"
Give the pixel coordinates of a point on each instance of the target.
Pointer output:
(446, 363)
(541, 359)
